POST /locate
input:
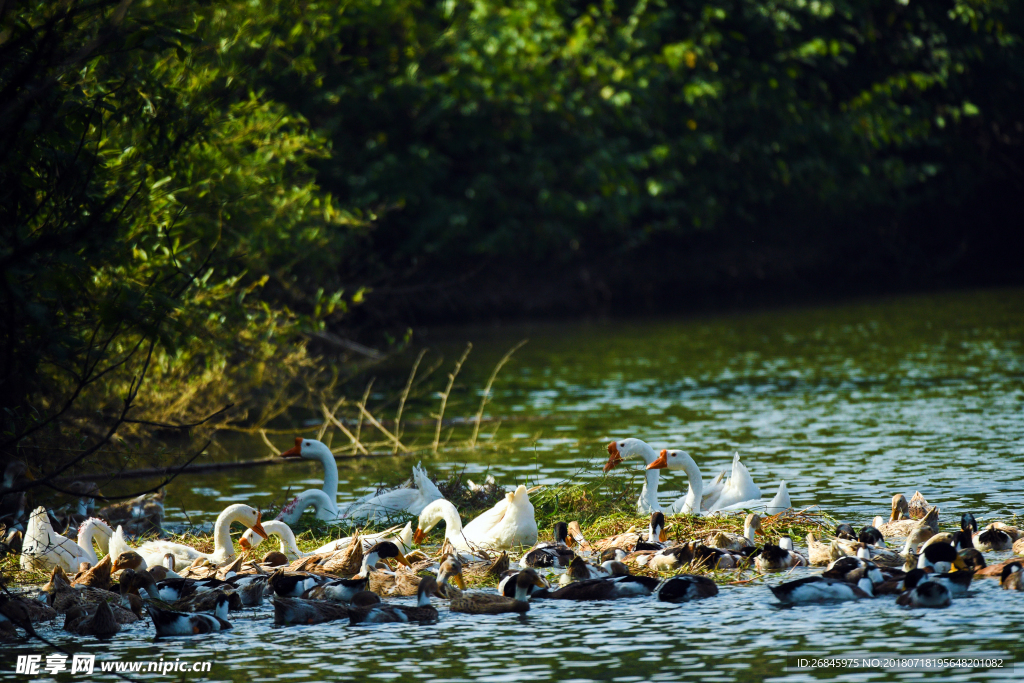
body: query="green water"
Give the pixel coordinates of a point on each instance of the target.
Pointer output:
(848, 403)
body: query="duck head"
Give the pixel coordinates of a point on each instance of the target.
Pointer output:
(968, 523)
(900, 508)
(383, 551)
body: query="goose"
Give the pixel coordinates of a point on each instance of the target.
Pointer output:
(921, 591)
(618, 451)
(290, 549)
(1011, 577)
(557, 553)
(812, 589)
(387, 613)
(289, 611)
(739, 493)
(510, 523)
(324, 508)
(43, 548)
(685, 588)
(224, 552)
(171, 623)
(311, 449)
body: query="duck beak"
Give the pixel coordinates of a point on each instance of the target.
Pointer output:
(614, 458)
(401, 559)
(257, 528)
(661, 463)
(540, 582)
(295, 451)
(959, 565)
(459, 581)
(570, 541)
(417, 538)
(662, 536)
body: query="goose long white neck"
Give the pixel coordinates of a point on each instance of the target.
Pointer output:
(648, 501)
(330, 486)
(94, 530)
(222, 545)
(282, 531)
(691, 504)
(321, 503)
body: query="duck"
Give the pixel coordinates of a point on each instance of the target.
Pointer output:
(170, 623)
(1018, 546)
(725, 540)
(775, 558)
(581, 570)
(821, 553)
(342, 590)
(918, 506)
(656, 536)
(21, 607)
(556, 553)
(957, 582)
(685, 588)
(940, 558)
(385, 613)
(224, 552)
(97, 576)
(846, 532)
(610, 588)
(510, 523)
(43, 548)
(899, 523)
(739, 493)
(813, 589)
(141, 515)
(98, 621)
(992, 539)
(1012, 578)
(292, 611)
(695, 554)
(921, 591)
(477, 602)
(853, 569)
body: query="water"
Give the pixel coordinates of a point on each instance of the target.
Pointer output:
(849, 404)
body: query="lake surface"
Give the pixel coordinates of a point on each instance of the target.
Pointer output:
(848, 403)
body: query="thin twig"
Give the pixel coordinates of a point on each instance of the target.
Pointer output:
(337, 423)
(448, 390)
(487, 390)
(405, 395)
(366, 397)
(378, 425)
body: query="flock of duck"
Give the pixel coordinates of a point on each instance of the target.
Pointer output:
(187, 591)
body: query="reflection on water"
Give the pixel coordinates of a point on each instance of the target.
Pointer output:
(847, 404)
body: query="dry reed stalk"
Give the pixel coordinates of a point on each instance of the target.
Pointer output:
(338, 423)
(378, 425)
(405, 395)
(448, 390)
(272, 447)
(366, 397)
(487, 390)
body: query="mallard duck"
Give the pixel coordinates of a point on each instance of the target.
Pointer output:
(475, 572)
(775, 558)
(811, 589)
(903, 526)
(342, 590)
(97, 576)
(171, 623)
(656, 536)
(98, 621)
(63, 598)
(224, 552)
(494, 603)
(686, 587)
(821, 553)
(724, 540)
(692, 553)
(577, 535)
(921, 591)
(581, 570)
(853, 569)
(1012, 576)
(557, 553)
(940, 558)
(137, 516)
(846, 532)
(509, 524)
(992, 539)
(43, 548)
(207, 601)
(957, 582)
(19, 607)
(291, 611)
(918, 506)
(388, 613)
(610, 588)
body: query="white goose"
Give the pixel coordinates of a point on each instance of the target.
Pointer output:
(508, 524)
(324, 508)
(311, 449)
(44, 548)
(371, 507)
(648, 501)
(223, 552)
(290, 548)
(739, 493)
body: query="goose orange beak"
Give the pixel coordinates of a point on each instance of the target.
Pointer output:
(417, 538)
(243, 542)
(661, 463)
(257, 528)
(614, 458)
(295, 451)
